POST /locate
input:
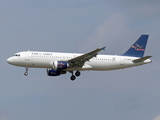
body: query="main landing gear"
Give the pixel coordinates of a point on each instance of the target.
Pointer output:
(73, 77)
(26, 73)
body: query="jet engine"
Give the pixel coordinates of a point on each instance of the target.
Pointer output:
(59, 65)
(52, 72)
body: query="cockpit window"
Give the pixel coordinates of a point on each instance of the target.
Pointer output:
(18, 55)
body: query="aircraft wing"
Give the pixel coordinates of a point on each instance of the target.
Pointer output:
(80, 60)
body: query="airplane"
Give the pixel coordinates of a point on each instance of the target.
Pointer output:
(58, 63)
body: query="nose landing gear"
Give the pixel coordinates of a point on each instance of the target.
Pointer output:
(26, 73)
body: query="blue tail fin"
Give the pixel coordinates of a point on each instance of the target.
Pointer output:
(138, 48)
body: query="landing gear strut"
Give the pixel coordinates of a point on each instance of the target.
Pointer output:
(26, 73)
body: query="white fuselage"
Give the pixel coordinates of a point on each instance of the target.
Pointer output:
(38, 59)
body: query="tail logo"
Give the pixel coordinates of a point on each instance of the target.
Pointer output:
(138, 47)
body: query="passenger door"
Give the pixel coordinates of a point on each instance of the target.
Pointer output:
(122, 61)
(27, 55)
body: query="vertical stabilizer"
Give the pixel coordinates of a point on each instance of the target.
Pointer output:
(138, 48)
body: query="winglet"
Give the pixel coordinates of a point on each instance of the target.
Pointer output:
(103, 48)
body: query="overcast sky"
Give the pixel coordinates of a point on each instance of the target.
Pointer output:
(79, 26)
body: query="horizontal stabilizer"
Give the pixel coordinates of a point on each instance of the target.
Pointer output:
(142, 59)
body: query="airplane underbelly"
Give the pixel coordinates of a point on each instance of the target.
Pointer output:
(33, 63)
(105, 65)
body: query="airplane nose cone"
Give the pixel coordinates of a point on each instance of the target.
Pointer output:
(10, 60)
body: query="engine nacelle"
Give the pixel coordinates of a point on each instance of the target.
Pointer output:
(60, 65)
(51, 72)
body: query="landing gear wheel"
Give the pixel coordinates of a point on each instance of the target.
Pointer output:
(73, 77)
(25, 73)
(77, 73)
